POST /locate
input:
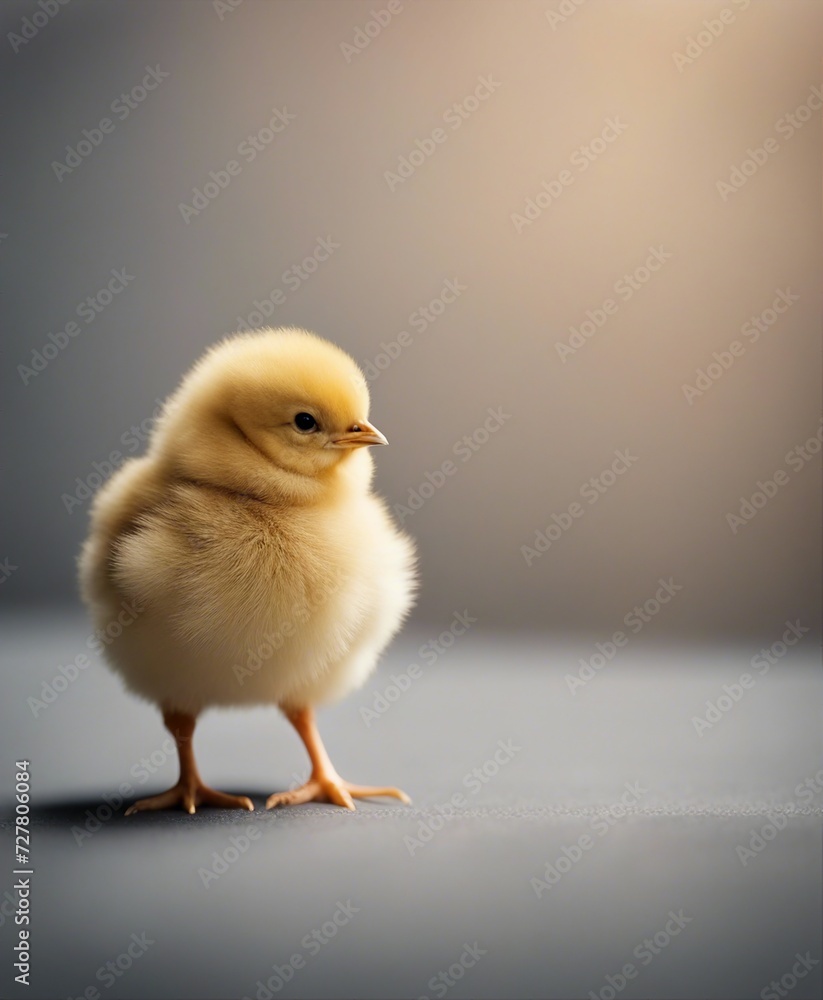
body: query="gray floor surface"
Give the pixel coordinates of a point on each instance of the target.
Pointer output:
(705, 847)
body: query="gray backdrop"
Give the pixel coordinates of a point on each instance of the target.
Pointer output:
(626, 196)
(572, 150)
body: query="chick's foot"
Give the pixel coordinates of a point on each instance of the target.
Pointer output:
(325, 784)
(332, 788)
(190, 791)
(189, 796)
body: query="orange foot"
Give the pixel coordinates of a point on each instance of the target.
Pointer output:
(189, 795)
(331, 788)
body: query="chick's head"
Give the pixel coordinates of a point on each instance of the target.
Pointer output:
(302, 401)
(285, 396)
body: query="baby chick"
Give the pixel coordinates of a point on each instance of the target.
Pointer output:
(263, 568)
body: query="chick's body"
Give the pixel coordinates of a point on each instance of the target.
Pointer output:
(242, 603)
(261, 566)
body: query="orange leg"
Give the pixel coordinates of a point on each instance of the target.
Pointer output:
(324, 784)
(189, 792)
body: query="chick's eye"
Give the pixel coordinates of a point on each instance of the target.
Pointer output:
(305, 422)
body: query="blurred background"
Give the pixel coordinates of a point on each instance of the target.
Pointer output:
(561, 212)
(576, 247)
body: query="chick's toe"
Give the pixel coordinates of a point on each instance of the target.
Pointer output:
(189, 796)
(333, 789)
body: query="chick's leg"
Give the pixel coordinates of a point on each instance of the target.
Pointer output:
(324, 784)
(189, 792)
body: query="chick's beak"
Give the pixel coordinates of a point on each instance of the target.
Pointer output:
(358, 435)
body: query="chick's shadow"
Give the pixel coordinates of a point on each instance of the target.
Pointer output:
(93, 815)
(85, 815)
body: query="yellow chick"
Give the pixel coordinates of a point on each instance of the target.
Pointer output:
(262, 567)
